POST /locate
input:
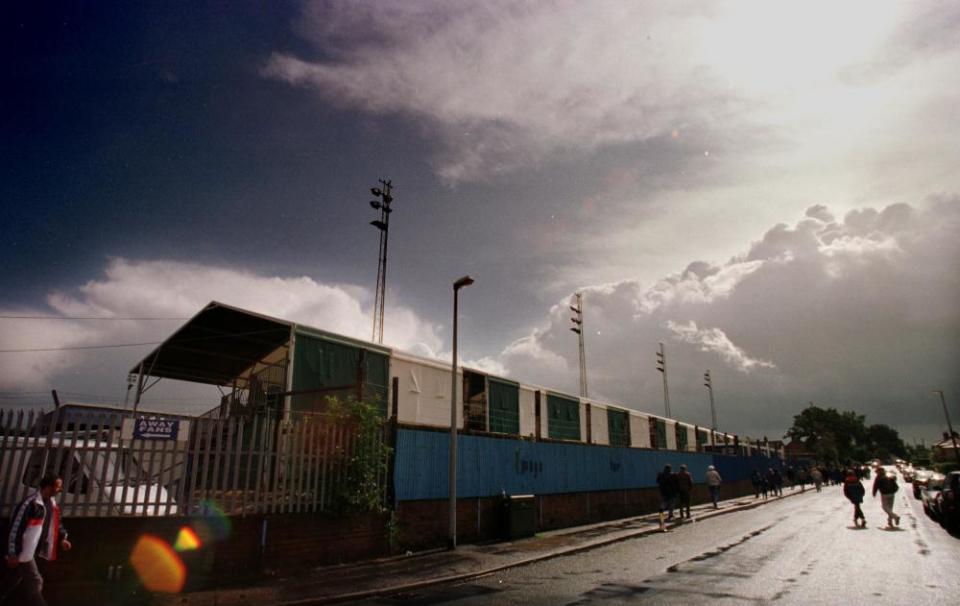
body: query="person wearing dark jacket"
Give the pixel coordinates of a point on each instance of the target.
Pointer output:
(854, 491)
(684, 489)
(756, 478)
(775, 481)
(667, 483)
(886, 485)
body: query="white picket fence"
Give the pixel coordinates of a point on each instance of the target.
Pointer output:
(234, 466)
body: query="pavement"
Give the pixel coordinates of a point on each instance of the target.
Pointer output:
(411, 572)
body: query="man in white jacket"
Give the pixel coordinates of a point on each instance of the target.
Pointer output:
(35, 532)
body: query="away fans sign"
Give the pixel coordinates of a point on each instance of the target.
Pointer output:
(156, 429)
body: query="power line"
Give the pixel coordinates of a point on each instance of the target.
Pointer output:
(111, 346)
(78, 347)
(9, 317)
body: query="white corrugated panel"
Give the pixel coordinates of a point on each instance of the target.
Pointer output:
(528, 419)
(424, 393)
(599, 429)
(671, 434)
(544, 415)
(639, 430)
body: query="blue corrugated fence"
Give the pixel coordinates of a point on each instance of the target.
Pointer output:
(490, 466)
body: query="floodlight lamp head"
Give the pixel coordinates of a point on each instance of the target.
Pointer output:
(379, 225)
(387, 198)
(376, 191)
(464, 281)
(375, 204)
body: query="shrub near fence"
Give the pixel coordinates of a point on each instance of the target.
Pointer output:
(332, 462)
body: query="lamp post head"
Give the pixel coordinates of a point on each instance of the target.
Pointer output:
(464, 281)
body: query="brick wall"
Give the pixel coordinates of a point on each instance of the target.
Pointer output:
(424, 524)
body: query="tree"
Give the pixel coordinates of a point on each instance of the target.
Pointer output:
(885, 442)
(829, 434)
(837, 437)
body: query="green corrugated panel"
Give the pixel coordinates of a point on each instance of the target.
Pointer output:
(504, 404)
(322, 364)
(563, 422)
(661, 433)
(375, 379)
(681, 437)
(618, 427)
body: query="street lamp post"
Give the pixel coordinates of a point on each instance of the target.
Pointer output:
(452, 539)
(953, 436)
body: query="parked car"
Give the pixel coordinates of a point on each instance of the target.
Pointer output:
(920, 478)
(908, 473)
(98, 477)
(948, 502)
(931, 493)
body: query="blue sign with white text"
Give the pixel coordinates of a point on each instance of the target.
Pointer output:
(156, 429)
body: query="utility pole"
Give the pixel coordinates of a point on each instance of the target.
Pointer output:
(662, 367)
(953, 436)
(578, 328)
(708, 383)
(384, 198)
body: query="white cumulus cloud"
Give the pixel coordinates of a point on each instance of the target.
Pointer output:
(714, 340)
(858, 312)
(165, 289)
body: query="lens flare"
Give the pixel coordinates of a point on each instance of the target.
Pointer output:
(157, 566)
(214, 525)
(187, 540)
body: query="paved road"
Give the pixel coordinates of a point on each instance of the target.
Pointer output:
(803, 550)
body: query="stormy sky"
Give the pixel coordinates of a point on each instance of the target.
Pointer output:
(770, 190)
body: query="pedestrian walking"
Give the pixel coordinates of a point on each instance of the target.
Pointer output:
(886, 485)
(777, 480)
(756, 478)
(713, 485)
(35, 532)
(684, 489)
(854, 491)
(817, 476)
(791, 477)
(667, 483)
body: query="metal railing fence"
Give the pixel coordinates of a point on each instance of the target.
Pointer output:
(234, 466)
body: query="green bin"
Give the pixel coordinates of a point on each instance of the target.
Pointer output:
(520, 516)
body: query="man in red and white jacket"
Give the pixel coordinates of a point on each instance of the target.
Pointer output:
(35, 532)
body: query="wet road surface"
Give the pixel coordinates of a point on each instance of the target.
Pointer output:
(802, 550)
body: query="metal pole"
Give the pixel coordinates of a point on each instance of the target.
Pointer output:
(383, 225)
(583, 351)
(452, 513)
(386, 238)
(666, 390)
(953, 436)
(136, 399)
(708, 382)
